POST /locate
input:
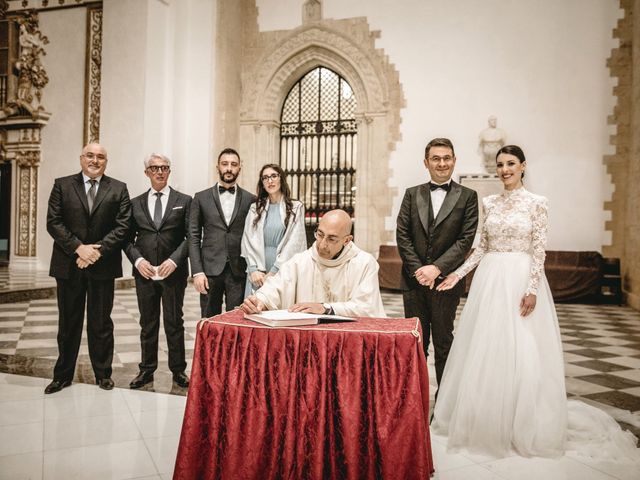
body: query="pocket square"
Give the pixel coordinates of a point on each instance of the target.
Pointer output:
(176, 208)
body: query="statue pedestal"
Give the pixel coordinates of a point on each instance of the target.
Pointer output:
(484, 184)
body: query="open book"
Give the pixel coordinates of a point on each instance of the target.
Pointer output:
(285, 318)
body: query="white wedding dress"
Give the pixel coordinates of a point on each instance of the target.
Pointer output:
(503, 386)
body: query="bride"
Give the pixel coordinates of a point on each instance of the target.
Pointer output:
(503, 385)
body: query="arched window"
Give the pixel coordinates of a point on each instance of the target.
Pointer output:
(318, 143)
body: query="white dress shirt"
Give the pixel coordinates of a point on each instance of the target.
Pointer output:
(228, 203)
(437, 197)
(87, 184)
(164, 199)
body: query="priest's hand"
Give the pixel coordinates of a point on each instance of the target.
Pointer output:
(252, 304)
(449, 282)
(308, 307)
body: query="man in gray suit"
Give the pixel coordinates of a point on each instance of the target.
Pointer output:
(158, 251)
(435, 230)
(215, 233)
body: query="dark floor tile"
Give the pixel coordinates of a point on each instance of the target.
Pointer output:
(587, 352)
(12, 319)
(579, 334)
(611, 381)
(585, 343)
(600, 366)
(38, 352)
(617, 399)
(42, 323)
(9, 329)
(38, 336)
(8, 344)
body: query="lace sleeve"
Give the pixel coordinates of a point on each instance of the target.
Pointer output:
(540, 222)
(474, 259)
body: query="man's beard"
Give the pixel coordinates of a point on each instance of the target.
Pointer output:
(228, 175)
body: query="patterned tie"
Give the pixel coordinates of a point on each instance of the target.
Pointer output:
(91, 194)
(157, 210)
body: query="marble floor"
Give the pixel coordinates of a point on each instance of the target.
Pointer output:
(84, 432)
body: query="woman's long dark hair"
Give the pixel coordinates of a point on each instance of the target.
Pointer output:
(262, 194)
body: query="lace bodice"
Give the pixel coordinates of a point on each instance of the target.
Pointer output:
(514, 221)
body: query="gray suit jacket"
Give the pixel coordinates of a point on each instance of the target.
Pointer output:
(213, 242)
(443, 242)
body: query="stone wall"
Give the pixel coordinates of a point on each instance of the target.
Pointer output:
(624, 164)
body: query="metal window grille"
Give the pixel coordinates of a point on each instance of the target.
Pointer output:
(318, 144)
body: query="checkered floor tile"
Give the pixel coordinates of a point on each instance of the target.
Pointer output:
(601, 346)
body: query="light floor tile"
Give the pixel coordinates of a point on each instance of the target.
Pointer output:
(9, 337)
(123, 460)
(23, 438)
(443, 460)
(519, 468)
(471, 472)
(632, 391)
(630, 374)
(629, 362)
(140, 401)
(618, 350)
(163, 452)
(571, 370)
(109, 403)
(20, 411)
(615, 469)
(159, 423)
(27, 466)
(77, 432)
(580, 387)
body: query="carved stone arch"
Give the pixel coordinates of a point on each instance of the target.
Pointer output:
(346, 47)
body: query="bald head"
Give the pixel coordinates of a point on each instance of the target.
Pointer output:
(93, 160)
(334, 232)
(338, 221)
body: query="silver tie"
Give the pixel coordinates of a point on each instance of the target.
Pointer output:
(91, 194)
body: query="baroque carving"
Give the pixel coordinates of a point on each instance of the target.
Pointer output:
(32, 76)
(28, 162)
(92, 83)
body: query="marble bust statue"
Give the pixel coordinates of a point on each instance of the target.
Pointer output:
(491, 139)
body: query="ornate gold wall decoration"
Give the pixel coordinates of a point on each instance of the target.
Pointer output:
(93, 75)
(21, 121)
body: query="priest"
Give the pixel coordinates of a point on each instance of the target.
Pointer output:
(333, 277)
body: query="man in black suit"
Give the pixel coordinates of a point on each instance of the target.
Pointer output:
(215, 233)
(435, 230)
(88, 218)
(158, 250)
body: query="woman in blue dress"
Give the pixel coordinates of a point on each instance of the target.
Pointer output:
(274, 228)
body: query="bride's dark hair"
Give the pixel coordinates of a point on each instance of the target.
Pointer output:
(514, 150)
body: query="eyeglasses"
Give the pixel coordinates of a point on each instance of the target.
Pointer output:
(273, 176)
(158, 168)
(330, 239)
(446, 158)
(91, 156)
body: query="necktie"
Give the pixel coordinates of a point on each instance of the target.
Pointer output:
(445, 186)
(157, 210)
(222, 189)
(91, 194)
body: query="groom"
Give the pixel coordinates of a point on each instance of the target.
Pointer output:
(435, 230)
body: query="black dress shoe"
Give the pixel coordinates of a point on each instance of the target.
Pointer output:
(56, 386)
(105, 383)
(141, 380)
(181, 379)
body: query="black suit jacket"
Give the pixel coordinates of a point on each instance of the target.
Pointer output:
(445, 241)
(158, 244)
(211, 241)
(70, 224)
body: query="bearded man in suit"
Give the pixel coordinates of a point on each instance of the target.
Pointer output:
(158, 251)
(435, 230)
(215, 235)
(88, 218)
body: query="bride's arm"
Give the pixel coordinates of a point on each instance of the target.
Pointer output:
(540, 220)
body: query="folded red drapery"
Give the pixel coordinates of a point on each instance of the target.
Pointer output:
(328, 401)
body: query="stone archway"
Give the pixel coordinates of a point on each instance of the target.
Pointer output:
(346, 47)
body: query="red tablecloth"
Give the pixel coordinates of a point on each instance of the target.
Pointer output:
(346, 400)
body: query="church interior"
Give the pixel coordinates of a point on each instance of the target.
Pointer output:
(344, 96)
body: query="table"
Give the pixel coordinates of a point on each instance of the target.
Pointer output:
(348, 400)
